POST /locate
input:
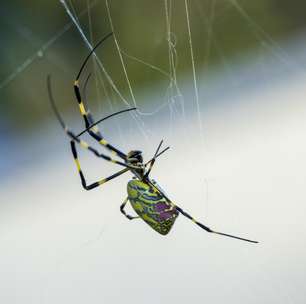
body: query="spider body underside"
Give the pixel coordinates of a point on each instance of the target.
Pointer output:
(147, 198)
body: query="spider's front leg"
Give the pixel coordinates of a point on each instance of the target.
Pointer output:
(83, 180)
(88, 119)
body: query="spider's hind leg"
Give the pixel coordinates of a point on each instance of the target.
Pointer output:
(180, 210)
(130, 217)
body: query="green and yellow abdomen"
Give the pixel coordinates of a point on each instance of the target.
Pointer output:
(151, 206)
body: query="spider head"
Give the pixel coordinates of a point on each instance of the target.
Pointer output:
(135, 158)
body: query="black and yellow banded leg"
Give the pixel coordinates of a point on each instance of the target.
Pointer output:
(88, 119)
(83, 180)
(89, 115)
(180, 210)
(130, 217)
(92, 121)
(75, 138)
(86, 116)
(94, 131)
(86, 146)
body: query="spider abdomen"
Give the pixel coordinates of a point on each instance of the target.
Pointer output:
(151, 206)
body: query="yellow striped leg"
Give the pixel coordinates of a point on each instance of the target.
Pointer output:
(74, 137)
(95, 184)
(85, 145)
(89, 115)
(208, 229)
(130, 217)
(94, 131)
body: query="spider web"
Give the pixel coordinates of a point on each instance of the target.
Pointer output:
(173, 102)
(174, 98)
(173, 91)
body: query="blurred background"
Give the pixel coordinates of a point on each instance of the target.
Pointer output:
(222, 82)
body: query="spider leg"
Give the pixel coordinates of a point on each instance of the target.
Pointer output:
(74, 138)
(88, 119)
(86, 146)
(130, 217)
(89, 115)
(180, 210)
(104, 118)
(153, 160)
(83, 180)
(160, 153)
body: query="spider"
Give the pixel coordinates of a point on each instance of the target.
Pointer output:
(148, 200)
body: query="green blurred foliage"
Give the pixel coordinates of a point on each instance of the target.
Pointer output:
(219, 28)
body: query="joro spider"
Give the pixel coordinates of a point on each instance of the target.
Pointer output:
(146, 197)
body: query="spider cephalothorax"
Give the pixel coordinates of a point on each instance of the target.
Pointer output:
(135, 157)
